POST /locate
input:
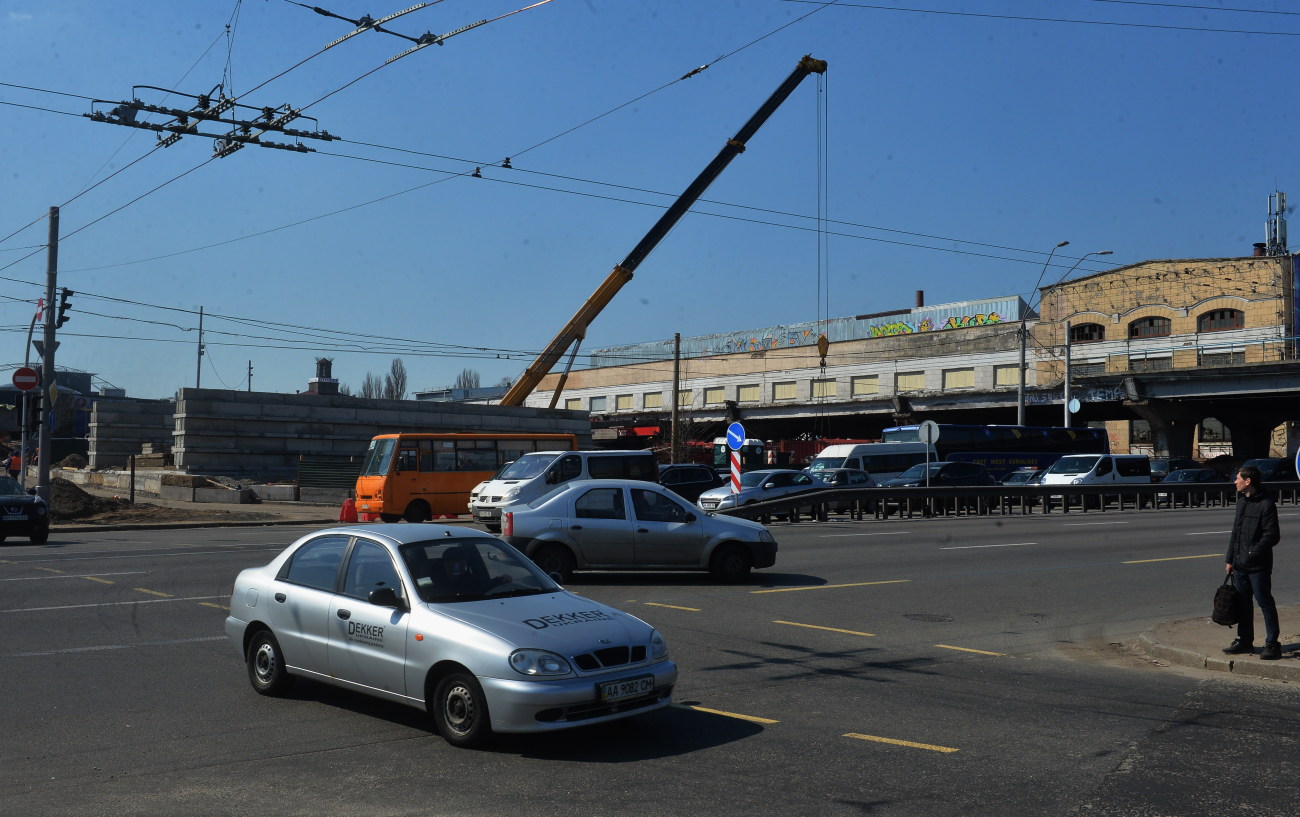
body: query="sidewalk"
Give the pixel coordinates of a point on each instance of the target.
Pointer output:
(1199, 643)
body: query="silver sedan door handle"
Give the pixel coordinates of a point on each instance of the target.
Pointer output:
(344, 614)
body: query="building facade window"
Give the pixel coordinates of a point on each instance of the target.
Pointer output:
(824, 388)
(1221, 358)
(865, 384)
(622, 402)
(1153, 327)
(909, 381)
(1006, 375)
(573, 403)
(685, 397)
(749, 394)
(1088, 333)
(714, 395)
(597, 404)
(652, 400)
(1151, 364)
(1088, 368)
(958, 379)
(785, 391)
(1221, 320)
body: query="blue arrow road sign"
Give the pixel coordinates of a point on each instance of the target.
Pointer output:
(735, 436)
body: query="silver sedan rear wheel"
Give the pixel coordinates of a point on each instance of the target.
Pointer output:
(266, 669)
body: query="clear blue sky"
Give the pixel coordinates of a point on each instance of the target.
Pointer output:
(959, 141)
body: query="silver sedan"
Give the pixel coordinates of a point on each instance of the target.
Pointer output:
(447, 619)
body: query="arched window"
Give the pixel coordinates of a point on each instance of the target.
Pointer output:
(1087, 333)
(1218, 320)
(1152, 327)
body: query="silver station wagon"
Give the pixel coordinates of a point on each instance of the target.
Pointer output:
(447, 619)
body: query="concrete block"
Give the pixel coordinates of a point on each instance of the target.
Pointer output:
(228, 496)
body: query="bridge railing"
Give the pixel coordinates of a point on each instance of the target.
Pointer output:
(883, 503)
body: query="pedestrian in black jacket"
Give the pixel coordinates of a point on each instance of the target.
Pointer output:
(1250, 561)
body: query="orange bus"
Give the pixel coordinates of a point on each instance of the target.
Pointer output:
(417, 477)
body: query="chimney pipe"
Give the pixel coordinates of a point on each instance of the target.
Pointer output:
(920, 298)
(1260, 249)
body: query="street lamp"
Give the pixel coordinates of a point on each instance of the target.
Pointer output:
(1065, 390)
(1024, 339)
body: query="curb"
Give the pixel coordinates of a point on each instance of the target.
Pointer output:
(1285, 669)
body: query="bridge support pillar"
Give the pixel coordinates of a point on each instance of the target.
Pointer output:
(1173, 427)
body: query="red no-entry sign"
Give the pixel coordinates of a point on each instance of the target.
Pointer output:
(26, 378)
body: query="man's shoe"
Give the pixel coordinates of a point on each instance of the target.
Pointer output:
(1272, 651)
(1239, 647)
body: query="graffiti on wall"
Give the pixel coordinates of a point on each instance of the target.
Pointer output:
(770, 340)
(884, 330)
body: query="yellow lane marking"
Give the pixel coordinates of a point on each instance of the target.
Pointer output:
(49, 570)
(96, 579)
(672, 606)
(878, 739)
(1173, 559)
(829, 586)
(152, 592)
(968, 649)
(831, 629)
(210, 604)
(753, 718)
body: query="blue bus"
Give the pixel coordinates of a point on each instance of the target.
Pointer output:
(1003, 449)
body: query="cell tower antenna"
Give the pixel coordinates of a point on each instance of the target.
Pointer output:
(1275, 227)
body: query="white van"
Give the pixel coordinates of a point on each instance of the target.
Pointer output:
(882, 460)
(537, 472)
(1099, 469)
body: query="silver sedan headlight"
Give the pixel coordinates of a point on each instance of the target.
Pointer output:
(658, 647)
(538, 662)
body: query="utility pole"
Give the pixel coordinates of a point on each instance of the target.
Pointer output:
(250, 375)
(48, 391)
(198, 369)
(1066, 388)
(675, 446)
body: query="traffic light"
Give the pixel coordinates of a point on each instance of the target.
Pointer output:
(64, 295)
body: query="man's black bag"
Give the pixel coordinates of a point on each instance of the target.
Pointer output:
(1227, 608)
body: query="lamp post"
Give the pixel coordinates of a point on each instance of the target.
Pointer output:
(1024, 339)
(1065, 388)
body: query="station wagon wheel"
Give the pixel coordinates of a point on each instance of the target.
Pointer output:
(266, 665)
(555, 559)
(418, 511)
(460, 710)
(39, 536)
(730, 563)
(390, 518)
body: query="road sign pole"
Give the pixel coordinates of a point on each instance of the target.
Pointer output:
(735, 472)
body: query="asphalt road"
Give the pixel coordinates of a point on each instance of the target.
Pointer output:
(909, 667)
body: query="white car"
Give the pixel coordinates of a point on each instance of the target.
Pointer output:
(625, 524)
(447, 619)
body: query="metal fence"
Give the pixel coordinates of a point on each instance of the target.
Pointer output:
(884, 503)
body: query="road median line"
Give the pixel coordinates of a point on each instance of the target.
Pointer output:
(828, 586)
(819, 627)
(910, 744)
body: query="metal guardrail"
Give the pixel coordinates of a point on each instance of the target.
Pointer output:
(882, 503)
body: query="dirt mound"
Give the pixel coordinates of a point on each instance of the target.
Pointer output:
(68, 501)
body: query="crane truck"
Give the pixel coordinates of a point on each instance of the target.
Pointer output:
(571, 336)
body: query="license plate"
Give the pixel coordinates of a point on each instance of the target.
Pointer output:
(627, 688)
(487, 514)
(14, 517)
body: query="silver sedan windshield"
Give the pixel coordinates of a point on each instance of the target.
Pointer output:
(471, 569)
